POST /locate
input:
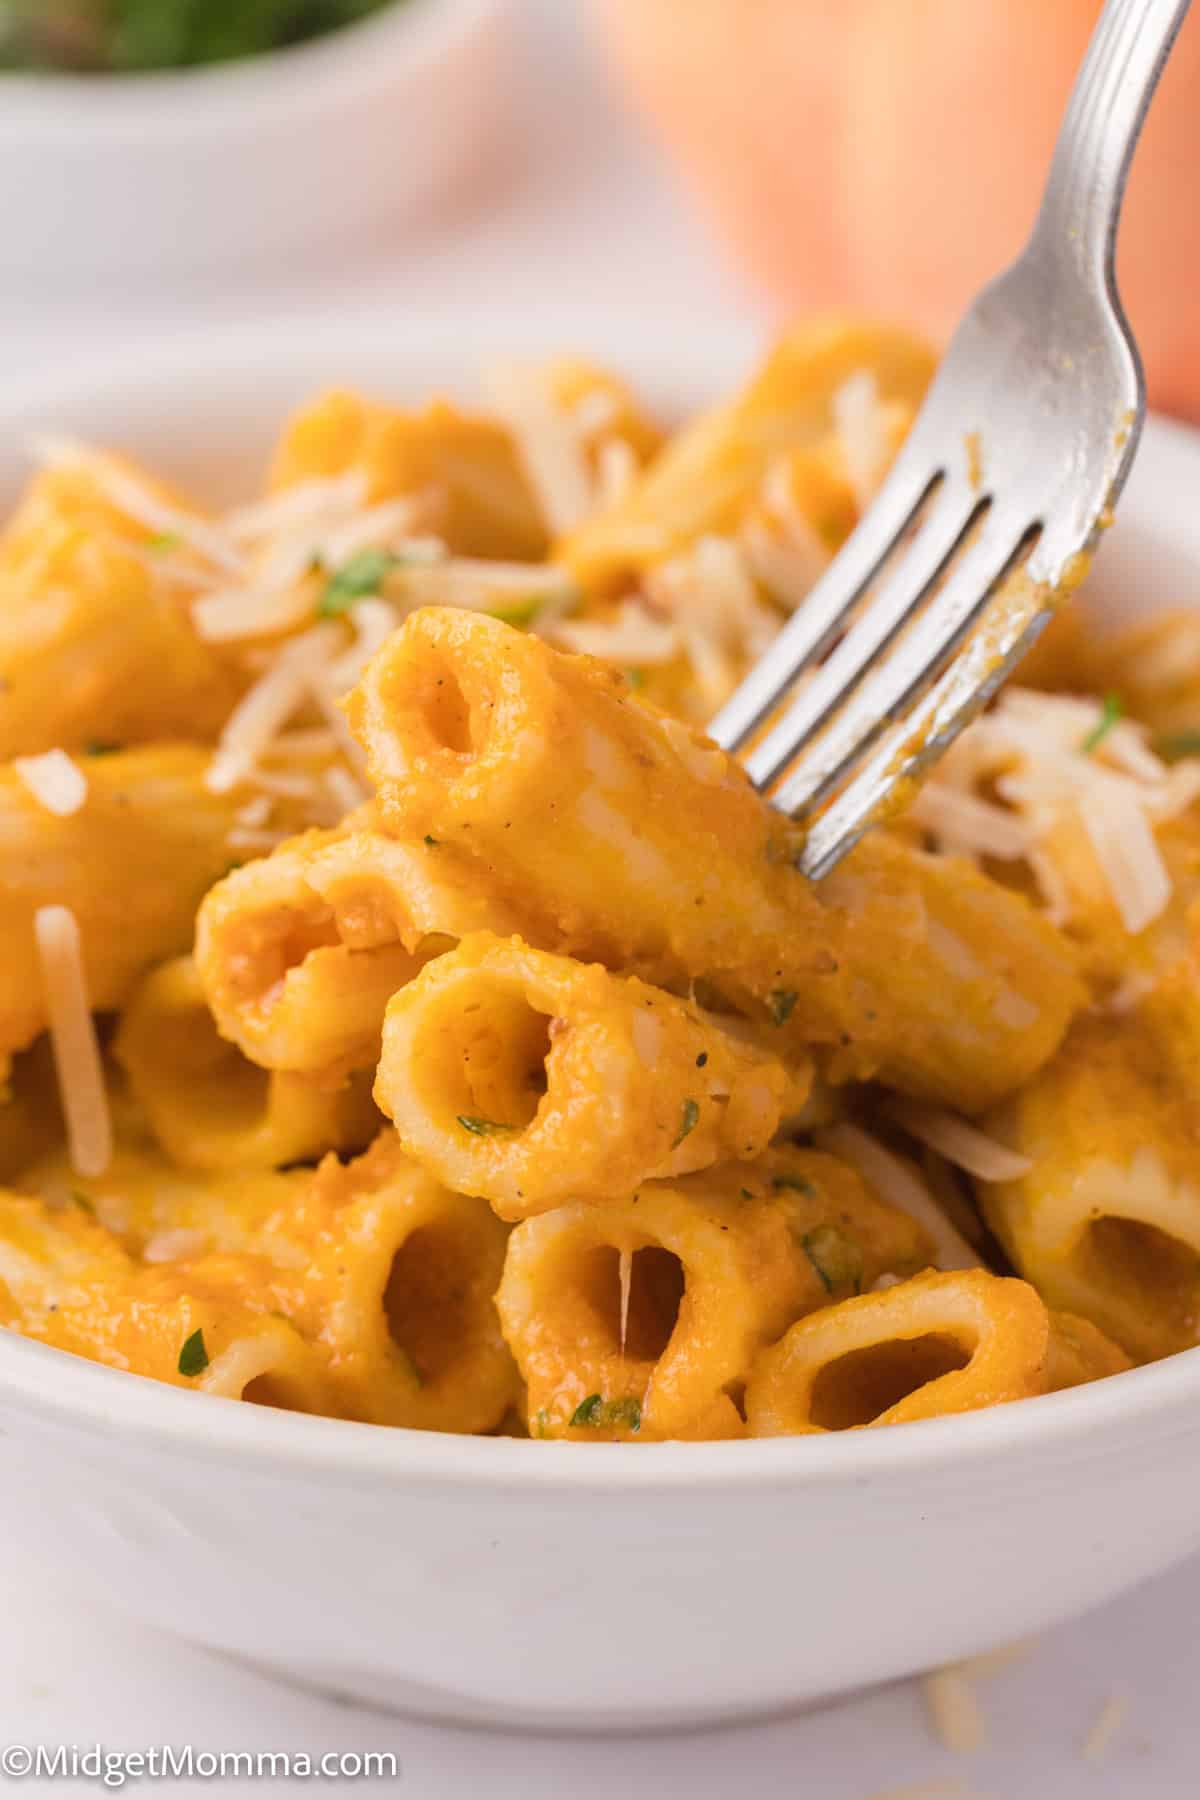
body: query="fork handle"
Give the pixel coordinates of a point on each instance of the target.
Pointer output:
(1120, 71)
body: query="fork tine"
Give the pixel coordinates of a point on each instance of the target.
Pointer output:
(963, 690)
(907, 671)
(831, 598)
(953, 510)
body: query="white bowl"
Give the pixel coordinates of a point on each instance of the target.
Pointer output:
(560, 1584)
(304, 152)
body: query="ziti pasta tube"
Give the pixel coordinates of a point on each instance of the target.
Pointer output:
(386, 1278)
(400, 1293)
(938, 1343)
(640, 1319)
(533, 1079)
(96, 643)
(1107, 1220)
(629, 838)
(130, 861)
(208, 1106)
(300, 953)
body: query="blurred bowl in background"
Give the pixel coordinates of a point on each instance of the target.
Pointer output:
(292, 156)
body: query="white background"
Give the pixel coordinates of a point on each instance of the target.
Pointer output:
(579, 215)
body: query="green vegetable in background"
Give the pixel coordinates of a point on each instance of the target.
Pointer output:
(122, 36)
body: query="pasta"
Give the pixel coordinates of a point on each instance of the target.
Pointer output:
(411, 1016)
(209, 1107)
(661, 857)
(932, 1345)
(714, 1269)
(534, 1079)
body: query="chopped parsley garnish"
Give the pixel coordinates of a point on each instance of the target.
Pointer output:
(780, 1003)
(431, 842)
(1173, 746)
(83, 1203)
(1111, 713)
(518, 613)
(636, 679)
(364, 574)
(702, 1059)
(100, 747)
(164, 542)
(794, 1181)
(596, 1413)
(193, 1358)
(836, 1258)
(747, 1193)
(688, 1121)
(481, 1127)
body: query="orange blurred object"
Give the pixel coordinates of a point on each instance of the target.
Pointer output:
(888, 155)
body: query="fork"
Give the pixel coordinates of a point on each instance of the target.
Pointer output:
(1011, 469)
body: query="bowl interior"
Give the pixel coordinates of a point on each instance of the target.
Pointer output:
(205, 408)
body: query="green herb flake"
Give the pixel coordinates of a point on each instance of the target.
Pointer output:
(363, 575)
(747, 1193)
(595, 1413)
(164, 543)
(481, 1127)
(520, 614)
(795, 1181)
(100, 747)
(636, 679)
(836, 1258)
(1111, 713)
(1173, 746)
(431, 842)
(193, 1358)
(689, 1119)
(780, 1003)
(83, 1203)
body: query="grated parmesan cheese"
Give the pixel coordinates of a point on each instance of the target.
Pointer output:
(548, 443)
(73, 1042)
(56, 782)
(928, 1790)
(174, 1245)
(859, 423)
(897, 1181)
(633, 637)
(261, 713)
(959, 1142)
(1053, 757)
(954, 1711)
(1104, 1728)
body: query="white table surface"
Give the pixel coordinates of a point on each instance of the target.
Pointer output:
(580, 214)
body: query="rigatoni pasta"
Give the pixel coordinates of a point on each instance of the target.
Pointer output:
(535, 1080)
(394, 782)
(634, 840)
(209, 1106)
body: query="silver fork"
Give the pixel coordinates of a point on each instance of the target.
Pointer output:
(1025, 438)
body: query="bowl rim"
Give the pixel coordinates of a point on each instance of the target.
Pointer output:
(52, 1387)
(409, 37)
(57, 1388)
